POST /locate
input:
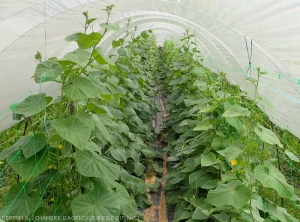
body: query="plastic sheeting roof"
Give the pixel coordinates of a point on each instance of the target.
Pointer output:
(222, 29)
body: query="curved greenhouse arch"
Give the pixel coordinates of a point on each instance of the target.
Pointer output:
(227, 24)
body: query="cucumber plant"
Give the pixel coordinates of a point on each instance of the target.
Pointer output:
(219, 146)
(85, 159)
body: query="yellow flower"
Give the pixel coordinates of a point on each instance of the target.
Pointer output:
(241, 171)
(233, 162)
(52, 199)
(60, 146)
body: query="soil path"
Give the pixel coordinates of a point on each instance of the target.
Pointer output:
(158, 210)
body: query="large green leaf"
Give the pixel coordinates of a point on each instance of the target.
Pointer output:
(91, 20)
(86, 41)
(235, 122)
(112, 112)
(207, 109)
(187, 122)
(91, 146)
(233, 193)
(31, 105)
(123, 127)
(148, 153)
(28, 167)
(79, 56)
(123, 68)
(79, 88)
(292, 156)
(202, 86)
(199, 215)
(271, 177)
(124, 52)
(139, 168)
(198, 178)
(86, 117)
(127, 205)
(231, 152)
(118, 153)
(73, 130)
(144, 34)
(277, 212)
(135, 167)
(91, 164)
(99, 202)
(182, 215)
(106, 133)
(47, 71)
(189, 165)
(267, 135)
(203, 125)
(107, 120)
(222, 217)
(117, 43)
(101, 58)
(103, 88)
(73, 37)
(20, 200)
(42, 181)
(210, 184)
(131, 152)
(228, 176)
(236, 111)
(133, 183)
(35, 143)
(191, 101)
(208, 159)
(17, 146)
(217, 143)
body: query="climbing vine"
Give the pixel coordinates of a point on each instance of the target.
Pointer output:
(219, 146)
(85, 158)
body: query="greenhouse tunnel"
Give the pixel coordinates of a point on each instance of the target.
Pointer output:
(234, 37)
(221, 29)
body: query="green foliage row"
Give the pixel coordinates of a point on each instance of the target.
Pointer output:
(219, 146)
(86, 159)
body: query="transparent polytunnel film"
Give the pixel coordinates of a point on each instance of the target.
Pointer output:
(222, 29)
(246, 40)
